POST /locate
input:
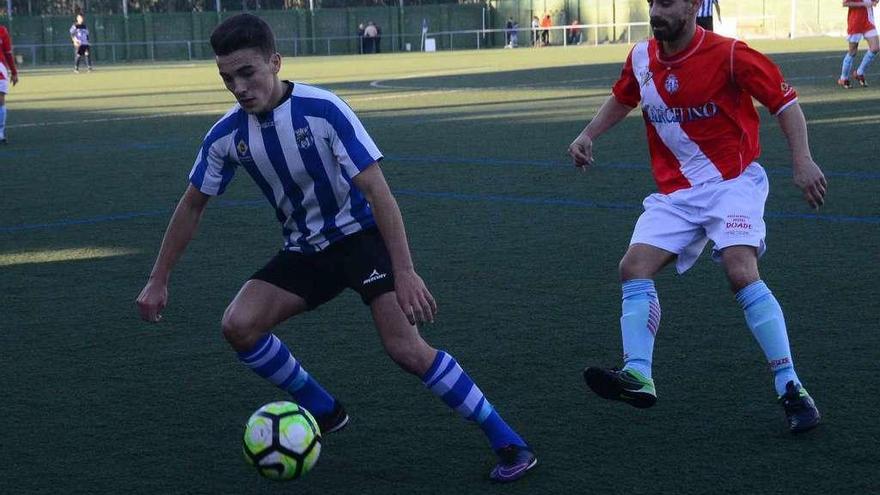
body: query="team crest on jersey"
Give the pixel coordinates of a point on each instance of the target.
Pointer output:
(241, 147)
(304, 137)
(671, 83)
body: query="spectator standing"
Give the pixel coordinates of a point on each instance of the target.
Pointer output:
(370, 34)
(574, 33)
(535, 31)
(546, 24)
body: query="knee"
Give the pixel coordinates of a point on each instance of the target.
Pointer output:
(239, 330)
(741, 276)
(413, 356)
(632, 267)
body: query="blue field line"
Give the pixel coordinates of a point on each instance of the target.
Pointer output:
(390, 159)
(873, 220)
(619, 206)
(613, 165)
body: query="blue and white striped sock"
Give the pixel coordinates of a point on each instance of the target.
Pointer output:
(767, 323)
(639, 322)
(271, 359)
(866, 61)
(847, 66)
(2, 121)
(446, 379)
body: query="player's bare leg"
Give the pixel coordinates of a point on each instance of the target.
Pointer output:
(873, 48)
(639, 322)
(247, 323)
(851, 52)
(443, 376)
(766, 321)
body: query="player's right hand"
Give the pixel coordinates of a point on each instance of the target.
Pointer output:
(152, 301)
(581, 151)
(808, 177)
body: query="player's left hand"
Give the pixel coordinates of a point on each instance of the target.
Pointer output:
(808, 177)
(14, 79)
(414, 298)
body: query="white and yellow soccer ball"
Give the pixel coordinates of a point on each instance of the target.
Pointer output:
(282, 440)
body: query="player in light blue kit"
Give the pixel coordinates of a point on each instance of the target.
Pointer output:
(313, 160)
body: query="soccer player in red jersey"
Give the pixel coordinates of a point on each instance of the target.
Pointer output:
(695, 88)
(859, 24)
(8, 73)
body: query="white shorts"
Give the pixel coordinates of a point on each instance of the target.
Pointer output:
(4, 79)
(855, 38)
(730, 213)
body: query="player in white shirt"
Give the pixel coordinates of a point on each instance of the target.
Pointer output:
(79, 36)
(318, 167)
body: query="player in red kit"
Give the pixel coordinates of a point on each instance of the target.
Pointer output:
(859, 24)
(695, 89)
(8, 73)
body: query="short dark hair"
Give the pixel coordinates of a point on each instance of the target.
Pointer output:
(243, 31)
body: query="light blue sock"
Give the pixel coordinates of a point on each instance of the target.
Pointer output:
(639, 323)
(2, 121)
(447, 380)
(847, 66)
(866, 61)
(767, 323)
(271, 359)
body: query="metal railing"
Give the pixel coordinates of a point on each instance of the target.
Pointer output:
(183, 50)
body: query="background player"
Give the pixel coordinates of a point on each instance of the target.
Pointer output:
(79, 35)
(704, 16)
(315, 163)
(859, 24)
(8, 73)
(696, 90)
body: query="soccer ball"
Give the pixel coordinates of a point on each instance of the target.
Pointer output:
(282, 440)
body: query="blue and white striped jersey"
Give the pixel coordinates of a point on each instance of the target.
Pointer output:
(81, 33)
(706, 8)
(302, 155)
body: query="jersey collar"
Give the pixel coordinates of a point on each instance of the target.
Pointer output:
(696, 41)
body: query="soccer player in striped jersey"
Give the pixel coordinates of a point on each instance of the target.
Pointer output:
(859, 24)
(8, 73)
(696, 89)
(318, 167)
(704, 16)
(79, 36)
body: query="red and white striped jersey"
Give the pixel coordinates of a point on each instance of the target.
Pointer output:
(6, 57)
(702, 125)
(860, 19)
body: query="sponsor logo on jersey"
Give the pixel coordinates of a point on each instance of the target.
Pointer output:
(677, 115)
(671, 83)
(304, 137)
(645, 77)
(374, 277)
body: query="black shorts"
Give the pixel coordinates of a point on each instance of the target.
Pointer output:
(360, 262)
(705, 23)
(82, 50)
